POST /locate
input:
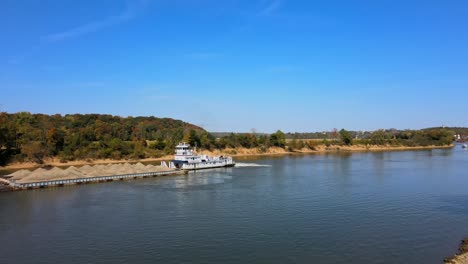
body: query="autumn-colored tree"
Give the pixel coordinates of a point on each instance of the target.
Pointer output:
(34, 151)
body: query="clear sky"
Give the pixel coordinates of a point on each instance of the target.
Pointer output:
(232, 65)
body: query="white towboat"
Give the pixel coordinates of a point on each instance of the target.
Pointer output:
(186, 159)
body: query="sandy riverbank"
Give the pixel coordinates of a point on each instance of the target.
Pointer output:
(462, 255)
(235, 152)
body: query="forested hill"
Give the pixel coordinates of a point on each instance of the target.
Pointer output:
(35, 137)
(26, 136)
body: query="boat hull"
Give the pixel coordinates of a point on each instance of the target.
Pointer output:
(207, 165)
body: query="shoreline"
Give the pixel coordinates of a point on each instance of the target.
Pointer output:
(233, 152)
(462, 256)
(347, 149)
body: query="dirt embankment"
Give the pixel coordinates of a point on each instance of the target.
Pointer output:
(226, 152)
(462, 256)
(317, 149)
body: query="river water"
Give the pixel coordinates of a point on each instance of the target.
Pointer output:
(382, 207)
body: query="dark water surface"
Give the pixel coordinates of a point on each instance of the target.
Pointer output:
(385, 207)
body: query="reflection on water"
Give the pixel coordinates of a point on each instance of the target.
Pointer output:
(195, 180)
(202, 177)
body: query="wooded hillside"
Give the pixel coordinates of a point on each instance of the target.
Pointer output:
(34, 137)
(26, 136)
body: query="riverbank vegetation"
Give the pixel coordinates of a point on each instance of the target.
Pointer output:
(34, 137)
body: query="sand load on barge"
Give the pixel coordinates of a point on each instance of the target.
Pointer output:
(86, 171)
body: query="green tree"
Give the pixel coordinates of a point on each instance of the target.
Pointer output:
(278, 139)
(207, 140)
(55, 140)
(159, 145)
(346, 137)
(263, 140)
(34, 150)
(8, 144)
(379, 137)
(194, 138)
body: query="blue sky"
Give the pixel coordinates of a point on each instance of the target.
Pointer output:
(237, 65)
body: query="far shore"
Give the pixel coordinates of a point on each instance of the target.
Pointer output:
(234, 152)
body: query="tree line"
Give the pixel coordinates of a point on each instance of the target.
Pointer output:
(391, 137)
(34, 137)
